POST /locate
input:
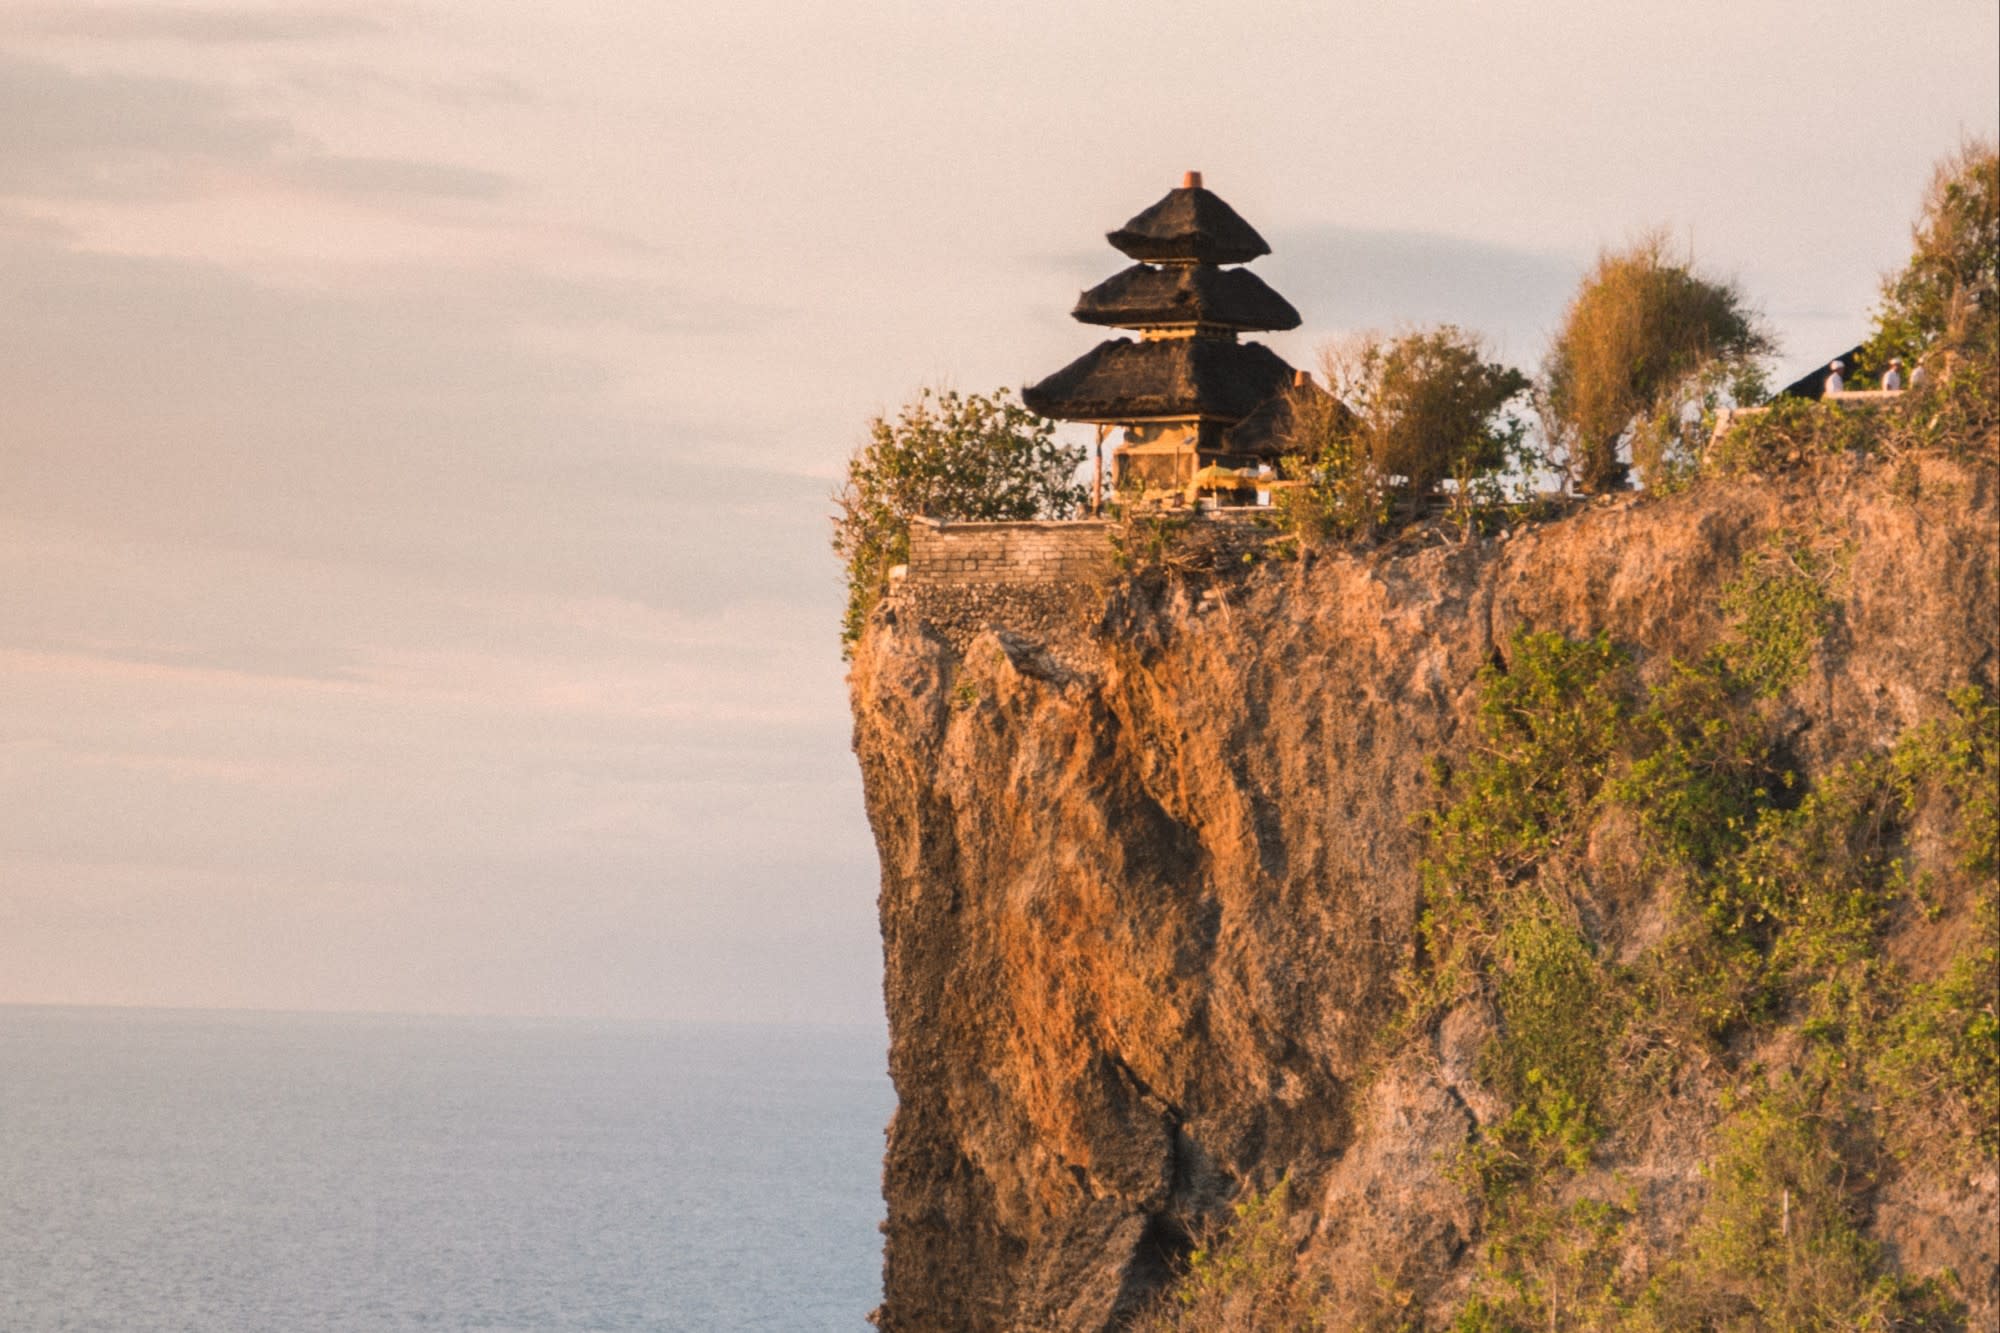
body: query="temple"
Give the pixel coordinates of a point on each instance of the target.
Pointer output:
(1194, 403)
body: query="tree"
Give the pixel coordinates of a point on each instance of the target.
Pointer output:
(1948, 296)
(1428, 404)
(946, 456)
(1407, 413)
(1646, 347)
(1334, 490)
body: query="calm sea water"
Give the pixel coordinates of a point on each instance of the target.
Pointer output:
(226, 1171)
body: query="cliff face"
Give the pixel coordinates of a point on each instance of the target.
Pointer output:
(1150, 874)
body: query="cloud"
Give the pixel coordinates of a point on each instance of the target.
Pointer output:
(407, 424)
(348, 82)
(72, 135)
(201, 26)
(1344, 278)
(363, 176)
(1352, 278)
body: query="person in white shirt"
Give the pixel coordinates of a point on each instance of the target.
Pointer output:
(1834, 383)
(1919, 376)
(1892, 379)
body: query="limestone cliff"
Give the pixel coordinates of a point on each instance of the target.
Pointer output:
(1150, 891)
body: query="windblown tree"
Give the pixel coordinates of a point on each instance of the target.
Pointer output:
(1646, 348)
(1407, 413)
(946, 456)
(1947, 299)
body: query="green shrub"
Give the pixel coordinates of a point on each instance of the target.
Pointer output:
(1407, 413)
(946, 456)
(1783, 894)
(1701, 768)
(1791, 432)
(1553, 1264)
(1782, 604)
(1427, 406)
(1958, 759)
(1938, 1067)
(1548, 723)
(1956, 414)
(1334, 491)
(1948, 296)
(1781, 1243)
(1243, 1275)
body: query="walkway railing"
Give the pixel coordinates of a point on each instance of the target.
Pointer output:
(1729, 416)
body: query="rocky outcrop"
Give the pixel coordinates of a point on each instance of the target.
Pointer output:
(1149, 878)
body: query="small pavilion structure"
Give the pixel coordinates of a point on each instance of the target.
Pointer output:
(1179, 391)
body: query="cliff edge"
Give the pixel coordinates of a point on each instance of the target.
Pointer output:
(1169, 886)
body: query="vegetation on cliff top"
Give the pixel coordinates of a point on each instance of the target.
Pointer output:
(949, 456)
(1646, 351)
(1407, 413)
(1947, 298)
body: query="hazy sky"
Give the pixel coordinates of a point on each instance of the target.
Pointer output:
(418, 418)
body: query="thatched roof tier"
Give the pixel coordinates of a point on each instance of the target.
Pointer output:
(1146, 297)
(1190, 226)
(1266, 432)
(1170, 378)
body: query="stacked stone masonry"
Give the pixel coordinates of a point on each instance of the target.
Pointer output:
(1044, 582)
(1009, 552)
(1073, 551)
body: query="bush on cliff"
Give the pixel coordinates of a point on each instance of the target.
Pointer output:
(1428, 405)
(1243, 1275)
(946, 456)
(1957, 414)
(1834, 1062)
(1646, 348)
(1407, 413)
(1766, 1021)
(1947, 298)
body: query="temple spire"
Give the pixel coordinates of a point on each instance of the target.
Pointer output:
(1188, 379)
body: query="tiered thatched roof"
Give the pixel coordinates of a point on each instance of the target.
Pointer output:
(1185, 294)
(1125, 381)
(1190, 226)
(1189, 367)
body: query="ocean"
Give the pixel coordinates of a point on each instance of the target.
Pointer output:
(179, 1170)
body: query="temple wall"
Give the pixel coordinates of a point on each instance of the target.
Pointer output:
(1047, 580)
(1068, 551)
(958, 553)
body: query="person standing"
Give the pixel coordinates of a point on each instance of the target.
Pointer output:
(1834, 383)
(1892, 379)
(1919, 377)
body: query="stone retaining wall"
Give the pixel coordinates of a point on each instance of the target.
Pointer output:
(1068, 551)
(1045, 582)
(1057, 552)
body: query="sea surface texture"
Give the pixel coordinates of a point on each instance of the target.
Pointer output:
(226, 1171)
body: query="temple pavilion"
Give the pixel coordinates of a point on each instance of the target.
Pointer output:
(1189, 397)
